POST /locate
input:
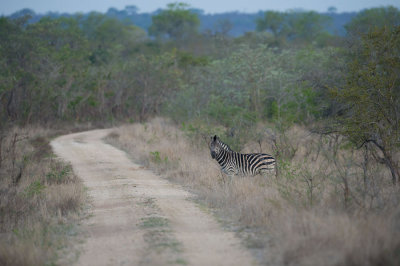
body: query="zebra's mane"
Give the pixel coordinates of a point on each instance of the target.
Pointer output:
(224, 146)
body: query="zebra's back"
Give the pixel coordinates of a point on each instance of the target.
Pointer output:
(255, 163)
(234, 163)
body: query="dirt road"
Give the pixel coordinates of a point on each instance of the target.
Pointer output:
(139, 218)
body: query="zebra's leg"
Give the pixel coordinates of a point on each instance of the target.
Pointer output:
(223, 177)
(227, 178)
(230, 178)
(229, 174)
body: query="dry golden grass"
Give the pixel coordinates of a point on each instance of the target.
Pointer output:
(40, 198)
(305, 216)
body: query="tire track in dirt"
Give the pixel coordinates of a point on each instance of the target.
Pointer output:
(138, 218)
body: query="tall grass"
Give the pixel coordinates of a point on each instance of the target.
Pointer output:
(40, 199)
(328, 205)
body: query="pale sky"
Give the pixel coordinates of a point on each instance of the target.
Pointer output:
(209, 6)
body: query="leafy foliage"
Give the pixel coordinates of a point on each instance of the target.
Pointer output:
(176, 22)
(273, 21)
(256, 84)
(379, 17)
(289, 26)
(371, 96)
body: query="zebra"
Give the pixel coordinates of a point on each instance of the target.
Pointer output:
(234, 163)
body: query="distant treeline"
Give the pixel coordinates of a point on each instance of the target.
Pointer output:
(235, 23)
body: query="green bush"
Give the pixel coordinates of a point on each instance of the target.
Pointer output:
(35, 188)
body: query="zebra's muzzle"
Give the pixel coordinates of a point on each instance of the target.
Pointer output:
(213, 154)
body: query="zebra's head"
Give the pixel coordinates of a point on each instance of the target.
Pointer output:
(216, 146)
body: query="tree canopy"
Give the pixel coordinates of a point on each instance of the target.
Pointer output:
(367, 19)
(176, 22)
(371, 97)
(301, 26)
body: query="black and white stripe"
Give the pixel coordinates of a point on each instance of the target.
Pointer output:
(234, 163)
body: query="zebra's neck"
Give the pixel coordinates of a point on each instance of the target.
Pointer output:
(222, 157)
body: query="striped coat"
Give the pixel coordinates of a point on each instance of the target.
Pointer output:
(234, 163)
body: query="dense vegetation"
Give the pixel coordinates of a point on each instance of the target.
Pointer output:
(294, 70)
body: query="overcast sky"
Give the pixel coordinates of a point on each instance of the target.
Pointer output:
(209, 6)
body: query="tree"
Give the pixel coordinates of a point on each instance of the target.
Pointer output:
(62, 52)
(272, 21)
(109, 37)
(223, 26)
(332, 9)
(176, 22)
(373, 17)
(15, 52)
(306, 26)
(154, 80)
(131, 10)
(371, 97)
(303, 26)
(26, 12)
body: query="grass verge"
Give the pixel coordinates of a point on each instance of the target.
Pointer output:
(40, 200)
(326, 207)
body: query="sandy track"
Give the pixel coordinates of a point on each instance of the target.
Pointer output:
(121, 193)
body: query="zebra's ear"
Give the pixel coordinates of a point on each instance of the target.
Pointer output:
(215, 138)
